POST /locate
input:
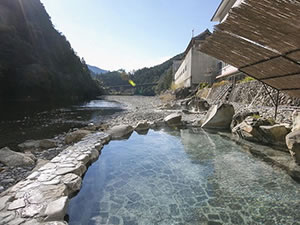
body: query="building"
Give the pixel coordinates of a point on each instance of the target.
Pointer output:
(196, 67)
(223, 10)
(220, 16)
(261, 39)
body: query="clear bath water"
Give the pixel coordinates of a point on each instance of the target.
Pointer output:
(186, 177)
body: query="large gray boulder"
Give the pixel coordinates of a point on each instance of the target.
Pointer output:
(250, 129)
(47, 143)
(219, 117)
(13, 159)
(261, 130)
(33, 145)
(142, 126)
(293, 144)
(29, 145)
(247, 131)
(120, 132)
(173, 119)
(76, 136)
(275, 134)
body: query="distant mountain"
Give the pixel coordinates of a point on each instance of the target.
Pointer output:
(161, 74)
(96, 70)
(36, 61)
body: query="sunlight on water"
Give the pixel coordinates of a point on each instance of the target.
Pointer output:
(183, 178)
(101, 104)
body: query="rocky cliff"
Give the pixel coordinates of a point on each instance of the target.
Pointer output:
(36, 61)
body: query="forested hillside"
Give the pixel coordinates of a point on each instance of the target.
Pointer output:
(96, 70)
(36, 61)
(161, 74)
(113, 78)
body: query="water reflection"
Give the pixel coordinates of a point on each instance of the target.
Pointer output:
(36, 120)
(187, 177)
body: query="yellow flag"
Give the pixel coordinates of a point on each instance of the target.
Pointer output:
(132, 83)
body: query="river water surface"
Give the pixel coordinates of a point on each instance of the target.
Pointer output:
(35, 120)
(186, 177)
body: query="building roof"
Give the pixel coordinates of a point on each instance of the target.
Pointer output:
(200, 37)
(222, 10)
(271, 54)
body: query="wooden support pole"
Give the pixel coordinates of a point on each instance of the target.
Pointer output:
(276, 105)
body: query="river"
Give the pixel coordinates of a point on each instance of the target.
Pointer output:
(35, 120)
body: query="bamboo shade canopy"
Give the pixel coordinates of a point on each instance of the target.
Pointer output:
(262, 39)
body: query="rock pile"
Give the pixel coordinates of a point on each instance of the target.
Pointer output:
(264, 131)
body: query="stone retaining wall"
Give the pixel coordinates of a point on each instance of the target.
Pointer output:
(245, 93)
(42, 198)
(253, 96)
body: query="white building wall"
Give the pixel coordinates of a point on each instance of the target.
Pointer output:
(204, 67)
(227, 70)
(196, 68)
(183, 74)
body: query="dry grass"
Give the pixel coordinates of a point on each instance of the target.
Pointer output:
(221, 83)
(176, 86)
(167, 97)
(203, 93)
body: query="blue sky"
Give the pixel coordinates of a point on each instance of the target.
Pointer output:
(130, 34)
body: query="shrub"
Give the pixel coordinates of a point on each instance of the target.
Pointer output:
(247, 79)
(203, 85)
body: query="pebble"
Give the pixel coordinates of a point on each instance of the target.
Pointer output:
(5, 181)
